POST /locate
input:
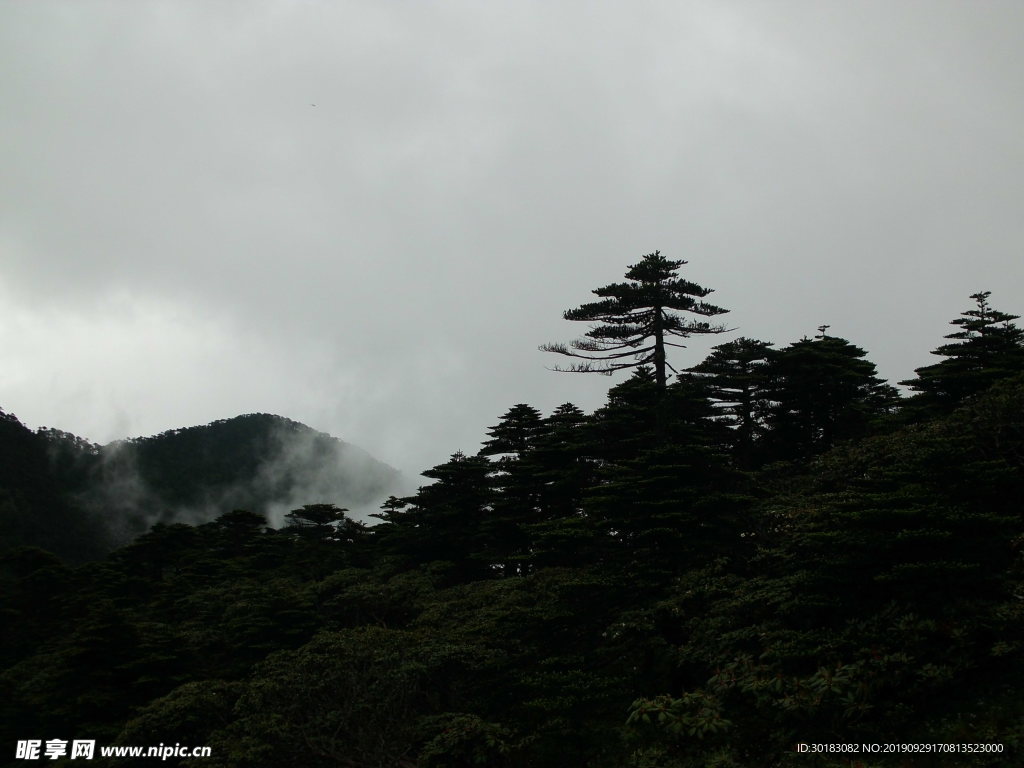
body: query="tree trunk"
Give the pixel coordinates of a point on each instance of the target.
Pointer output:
(659, 350)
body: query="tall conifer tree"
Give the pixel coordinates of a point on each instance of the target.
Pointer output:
(633, 322)
(822, 390)
(986, 348)
(446, 521)
(735, 376)
(562, 461)
(516, 487)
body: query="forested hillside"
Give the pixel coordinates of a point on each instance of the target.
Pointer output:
(60, 492)
(729, 557)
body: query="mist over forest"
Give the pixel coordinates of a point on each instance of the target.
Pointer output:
(267, 464)
(510, 487)
(724, 563)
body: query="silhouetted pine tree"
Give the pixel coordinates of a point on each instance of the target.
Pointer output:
(515, 433)
(447, 521)
(822, 390)
(634, 321)
(736, 377)
(987, 347)
(562, 461)
(564, 465)
(516, 487)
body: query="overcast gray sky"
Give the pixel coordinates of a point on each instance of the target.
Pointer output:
(367, 215)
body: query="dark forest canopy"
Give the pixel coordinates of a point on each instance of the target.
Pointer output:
(771, 547)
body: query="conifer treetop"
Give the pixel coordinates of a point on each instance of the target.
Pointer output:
(986, 347)
(635, 319)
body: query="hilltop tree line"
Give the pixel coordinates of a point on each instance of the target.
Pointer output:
(767, 547)
(82, 501)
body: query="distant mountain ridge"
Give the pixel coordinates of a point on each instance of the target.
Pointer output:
(261, 462)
